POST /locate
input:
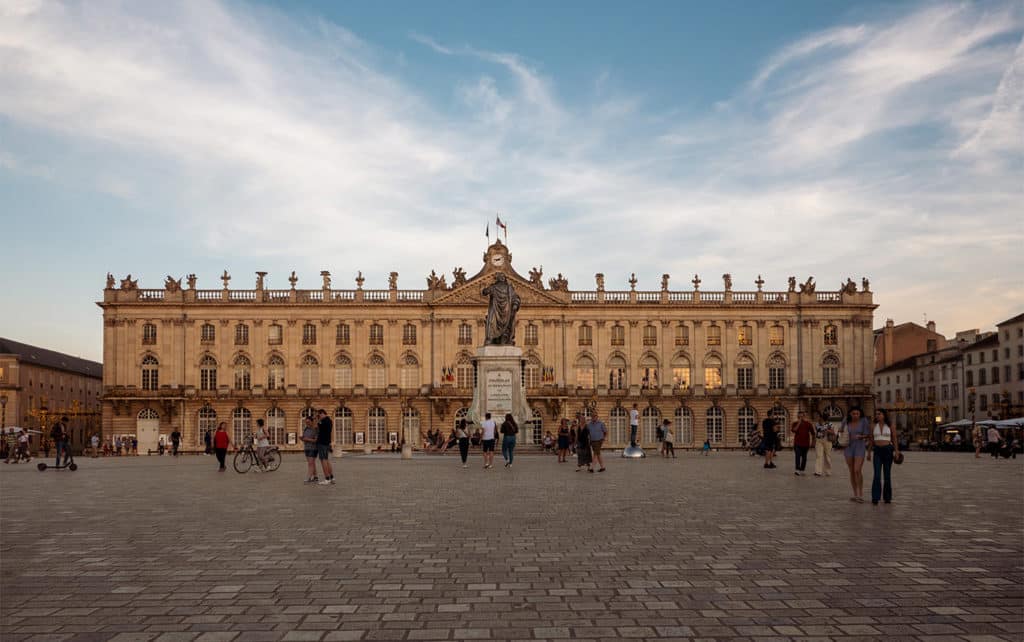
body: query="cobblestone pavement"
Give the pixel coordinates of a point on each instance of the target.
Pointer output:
(153, 548)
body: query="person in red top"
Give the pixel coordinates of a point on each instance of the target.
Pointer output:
(221, 441)
(803, 440)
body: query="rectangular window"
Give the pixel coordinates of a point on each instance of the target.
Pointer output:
(776, 377)
(995, 374)
(682, 335)
(744, 378)
(888, 396)
(376, 377)
(984, 402)
(342, 336)
(309, 335)
(745, 335)
(275, 335)
(409, 377)
(585, 377)
(831, 335)
(241, 335)
(465, 334)
(376, 335)
(618, 335)
(586, 337)
(776, 335)
(342, 377)
(955, 391)
(409, 335)
(681, 377)
(945, 392)
(714, 335)
(712, 378)
(531, 335)
(149, 334)
(208, 333)
(650, 335)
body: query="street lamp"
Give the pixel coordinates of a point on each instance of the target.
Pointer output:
(3, 412)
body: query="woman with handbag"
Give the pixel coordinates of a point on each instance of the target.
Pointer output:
(885, 449)
(853, 437)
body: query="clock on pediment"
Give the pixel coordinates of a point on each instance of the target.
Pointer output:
(497, 256)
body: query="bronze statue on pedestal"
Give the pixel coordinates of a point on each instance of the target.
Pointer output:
(501, 312)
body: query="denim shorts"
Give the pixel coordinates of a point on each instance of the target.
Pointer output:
(323, 451)
(310, 451)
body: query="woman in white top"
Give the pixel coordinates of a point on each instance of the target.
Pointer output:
(884, 447)
(262, 442)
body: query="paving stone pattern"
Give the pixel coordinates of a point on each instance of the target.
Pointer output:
(154, 548)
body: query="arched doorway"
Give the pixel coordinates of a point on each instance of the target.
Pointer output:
(147, 429)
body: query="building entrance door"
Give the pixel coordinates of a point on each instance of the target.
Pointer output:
(147, 429)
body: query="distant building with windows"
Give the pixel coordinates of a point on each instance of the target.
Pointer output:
(38, 385)
(390, 364)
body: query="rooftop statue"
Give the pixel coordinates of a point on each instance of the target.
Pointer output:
(501, 312)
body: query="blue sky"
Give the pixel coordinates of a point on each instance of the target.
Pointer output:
(877, 139)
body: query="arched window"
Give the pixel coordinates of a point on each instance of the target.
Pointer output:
(830, 371)
(618, 335)
(207, 423)
(618, 425)
(776, 372)
(650, 335)
(714, 335)
(275, 373)
(745, 335)
(681, 372)
(308, 334)
(585, 372)
(465, 334)
(833, 415)
(343, 335)
(207, 333)
(276, 426)
(376, 334)
(532, 372)
(464, 373)
(241, 425)
(715, 425)
(682, 335)
(310, 372)
(776, 335)
(410, 425)
(744, 372)
(149, 334)
(650, 419)
(409, 334)
(684, 426)
(530, 337)
(376, 374)
(409, 374)
(243, 372)
(343, 426)
(148, 413)
(342, 372)
(377, 425)
(241, 335)
(208, 373)
(831, 335)
(535, 427)
(712, 372)
(275, 334)
(150, 373)
(586, 336)
(747, 420)
(650, 372)
(461, 414)
(616, 373)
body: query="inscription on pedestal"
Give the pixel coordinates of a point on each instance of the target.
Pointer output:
(499, 392)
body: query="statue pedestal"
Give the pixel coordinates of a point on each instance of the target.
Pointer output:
(406, 451)
(633, 452)
(499, 385)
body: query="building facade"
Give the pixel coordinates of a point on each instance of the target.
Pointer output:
(390, 364)
(895, 343)
(38, 386)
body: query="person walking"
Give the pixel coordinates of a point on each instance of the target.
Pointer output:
(993, 442)
(584, 457)
(509, 430)
(824, 435)
(769, 441)
(978, 441)
(666, 428)
(634, 425)
(858, 432)
(324, 429)
(563, 441)
(221, 442)
(803, 439)
(309, 449)
(207, 442)
(176, 441)
(598, 432)
(884, 449)
(463, 436)
(94, 441)
(490, 435)
(262, 443)
(60, 437)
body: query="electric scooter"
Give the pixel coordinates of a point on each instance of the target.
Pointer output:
(69, 463)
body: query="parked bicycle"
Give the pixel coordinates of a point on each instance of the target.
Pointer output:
(247, 457)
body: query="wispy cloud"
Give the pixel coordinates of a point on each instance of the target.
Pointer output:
(877, 148)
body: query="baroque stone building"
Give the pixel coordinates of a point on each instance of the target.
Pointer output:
(390, 364)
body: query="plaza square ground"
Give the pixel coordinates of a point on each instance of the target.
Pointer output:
(155, 548)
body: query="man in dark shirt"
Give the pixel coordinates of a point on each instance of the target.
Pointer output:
(60, 437)
(324, 428)
(175, 442)
(803, 439)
